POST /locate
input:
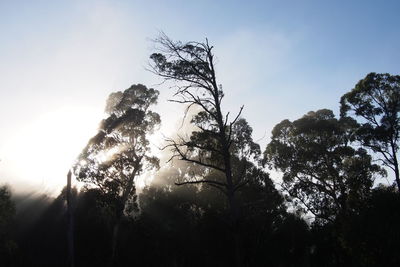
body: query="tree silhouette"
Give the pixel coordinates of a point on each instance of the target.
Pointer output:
(189, 223)
(70, 218)
(321, 170)
(120, 151)
(191, 68)
(376, 100)
(377, 223)
(7, 214)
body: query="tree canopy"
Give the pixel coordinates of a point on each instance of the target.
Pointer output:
(321, 169)
(375, 100)
(120, 151)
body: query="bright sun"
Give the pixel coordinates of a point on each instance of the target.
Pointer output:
(43, 151)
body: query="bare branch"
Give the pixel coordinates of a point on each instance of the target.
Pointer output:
(201, 182)
(232, 123)
(183, 156)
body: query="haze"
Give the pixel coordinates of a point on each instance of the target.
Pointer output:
(60, 60)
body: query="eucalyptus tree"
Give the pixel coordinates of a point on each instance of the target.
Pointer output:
(375, 100)
(120, 151)
(214, 144)
(321, 169)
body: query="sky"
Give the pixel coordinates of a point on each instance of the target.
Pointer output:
(59, 60)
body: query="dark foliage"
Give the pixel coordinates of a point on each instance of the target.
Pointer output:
(375, 101)
(7, 213)
(322, 171)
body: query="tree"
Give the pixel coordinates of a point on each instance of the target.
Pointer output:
(376, 100)
(7, 210)
(377, 223)
(321, 170)
(213, 145)
(190, 221)
(70, 224)
(7, 214)
(120, 151)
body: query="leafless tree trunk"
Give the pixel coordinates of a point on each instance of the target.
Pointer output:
(70, 218)
(191, 66)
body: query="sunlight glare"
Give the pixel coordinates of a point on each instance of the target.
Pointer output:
(48, 146)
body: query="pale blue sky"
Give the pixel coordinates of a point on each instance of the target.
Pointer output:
(281, 59)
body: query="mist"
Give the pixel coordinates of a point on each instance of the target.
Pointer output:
(208, 133)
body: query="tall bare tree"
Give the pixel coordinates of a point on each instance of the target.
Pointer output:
(191, 69)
